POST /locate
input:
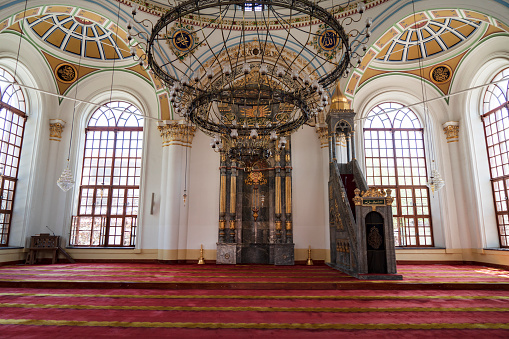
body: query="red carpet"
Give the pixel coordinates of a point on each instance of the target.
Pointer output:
(244, 277)
(248, 313)
(219, 312)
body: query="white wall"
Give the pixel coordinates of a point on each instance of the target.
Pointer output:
(203, 196)
(309, 224)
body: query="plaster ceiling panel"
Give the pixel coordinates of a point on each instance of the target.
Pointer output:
(56, 37)
(92, 50)
(73, 46)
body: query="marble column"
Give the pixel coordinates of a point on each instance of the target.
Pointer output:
(55, 166)
(323, 135)
(455, 236)
(341, 146)
(177, 139)
(288, 195)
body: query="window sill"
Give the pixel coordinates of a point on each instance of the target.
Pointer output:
(420, 248)
(99, 248)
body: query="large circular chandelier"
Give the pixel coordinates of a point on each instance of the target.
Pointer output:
(249, 73)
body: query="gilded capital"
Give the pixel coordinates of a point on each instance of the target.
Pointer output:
(323, 135)
(56, 126)
(451, 130)
(341, 139)
(176, 132)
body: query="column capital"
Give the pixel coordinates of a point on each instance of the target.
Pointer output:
(451, 130)
(341, 139)
(56, 126)
(176, 132)
(323, 134)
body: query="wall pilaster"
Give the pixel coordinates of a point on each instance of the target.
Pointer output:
(323, 135)
(177, 138)
(456, 236)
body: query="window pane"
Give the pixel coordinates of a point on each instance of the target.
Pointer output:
(496, 127)
(394, 158)
(12, 125)
(110, 180)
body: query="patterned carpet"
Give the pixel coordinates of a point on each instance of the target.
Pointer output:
(250, 313)
(87, 275)
(287, 314)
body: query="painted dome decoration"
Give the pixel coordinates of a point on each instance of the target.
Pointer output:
(79, 36)
(427, 38)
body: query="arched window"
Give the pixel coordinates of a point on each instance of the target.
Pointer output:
(12, 125)
(496, 129)
(109, 191)
(395, 159)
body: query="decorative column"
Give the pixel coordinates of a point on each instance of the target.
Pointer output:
(323, 134)
(277, 188)
(288, 196)
(233, 201)
(56, 126)
(348, 143)
(177, 136)
(56, 154)
(222, 198)
(332, 147)
(284, 247)
(454, 187)
(352, 135)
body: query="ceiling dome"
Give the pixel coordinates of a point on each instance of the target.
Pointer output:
(427, 38)
(79, 36)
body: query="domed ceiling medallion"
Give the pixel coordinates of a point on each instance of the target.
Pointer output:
(66, 73)
(441, 74)
(182, 40)
(326, 42)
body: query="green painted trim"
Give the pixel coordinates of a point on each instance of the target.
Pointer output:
(479, 42)
(403, 74)
(444, 58)
(73, 13)
(28, 36)
(428, 13)
(25, 38)
(107, 70)
(39, 50)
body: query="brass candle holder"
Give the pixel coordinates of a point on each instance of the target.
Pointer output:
(201, 260)
(310, 261)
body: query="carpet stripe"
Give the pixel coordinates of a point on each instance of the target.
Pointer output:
(287, 276)
(465, 273)
(374, 282)
(269, 297)
(260, 309)
(297, 326)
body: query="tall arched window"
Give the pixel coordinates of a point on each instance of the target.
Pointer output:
(12, 125)
(395, 159)
(109, 191)
(496, 129)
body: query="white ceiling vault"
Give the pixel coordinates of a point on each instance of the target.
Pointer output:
(97, 31)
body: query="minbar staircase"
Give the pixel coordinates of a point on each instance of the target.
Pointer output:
(360, 219)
